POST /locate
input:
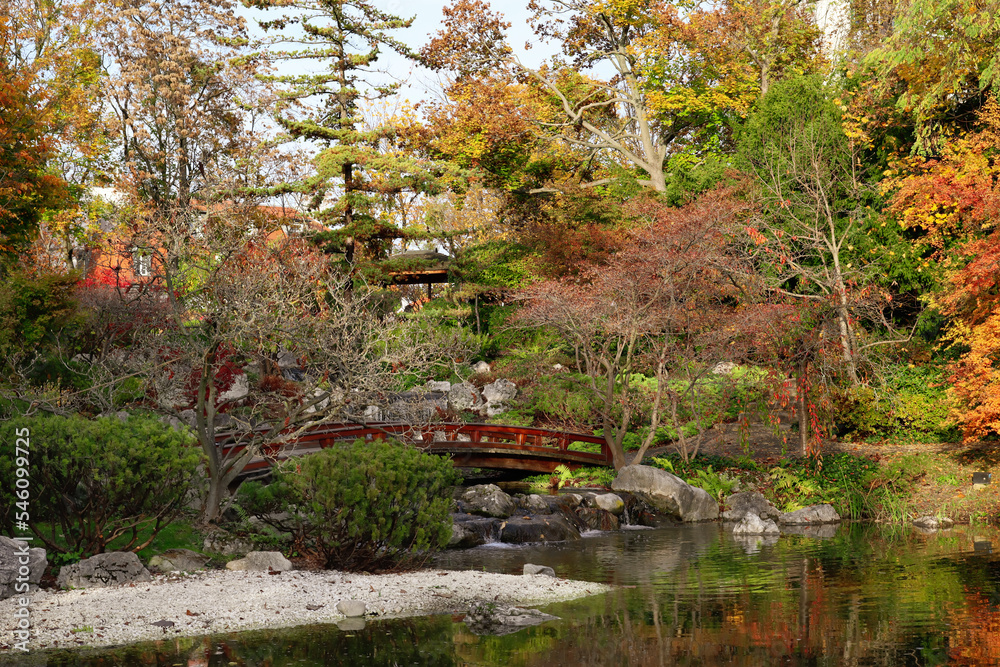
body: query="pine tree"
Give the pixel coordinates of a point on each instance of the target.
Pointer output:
(361, 165)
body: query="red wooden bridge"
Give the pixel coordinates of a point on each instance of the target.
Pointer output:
(513, 448)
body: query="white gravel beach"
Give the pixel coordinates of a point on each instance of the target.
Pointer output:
(219, 601)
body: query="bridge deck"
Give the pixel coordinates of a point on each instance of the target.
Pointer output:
(469, 445)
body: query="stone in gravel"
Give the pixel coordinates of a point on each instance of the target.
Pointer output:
(178, 560)
(739, 504)
(551, 528)
(13, 556)
(609, 502)
(667, 493)
(810, 516)
(530, 568)
(352, 608)
(751, 524)
(489, 500)
(261, 561)
(933, 522)
(108, 569)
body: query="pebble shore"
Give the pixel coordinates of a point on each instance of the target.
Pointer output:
(220, 601)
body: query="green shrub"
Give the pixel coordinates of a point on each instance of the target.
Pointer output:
(912, 404)
(367, 506)
(93, 482)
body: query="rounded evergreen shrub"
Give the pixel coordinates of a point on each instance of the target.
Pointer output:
(101, 483)
(367, 506)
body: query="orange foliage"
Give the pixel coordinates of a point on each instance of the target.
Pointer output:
(955, 200)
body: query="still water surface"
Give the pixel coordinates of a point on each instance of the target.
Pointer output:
(686, 595)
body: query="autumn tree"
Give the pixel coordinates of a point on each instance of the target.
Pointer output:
(948, 204)
(244, 332)
(813, 207)
(672, 302)
(182, 92)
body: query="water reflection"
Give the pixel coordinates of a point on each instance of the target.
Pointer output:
(691, 595)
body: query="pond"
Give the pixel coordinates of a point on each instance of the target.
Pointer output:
(687, 595)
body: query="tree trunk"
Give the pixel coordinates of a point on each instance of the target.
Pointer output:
(801, 400)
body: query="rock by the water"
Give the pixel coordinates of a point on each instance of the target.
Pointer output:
(751, 524)
(108, 569)
(609, 502)
(17, 559)
(752, 543)
(739, 504)
(261, 561)
(464, 397)
(823, 531)
(489, 500)
(530, 568)
(933, 522)
(352, 608)
(667, 493)
(598, 519)
(570, 500)
(533, 503)
(488, 618)
(810, 516)
(548, 528)
(178, 560)
(501, 391)
(470, 530)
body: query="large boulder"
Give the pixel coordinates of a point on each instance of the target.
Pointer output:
(751, 524)
(464, 397)
(549, 528)
(261, 561)
(178, 560)
(501, 391)
(488, 500)
(19, 561)
(108, 569)
(740, 504)
(667, 493)
(813, 515)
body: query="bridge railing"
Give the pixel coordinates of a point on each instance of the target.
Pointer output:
(489, 440)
